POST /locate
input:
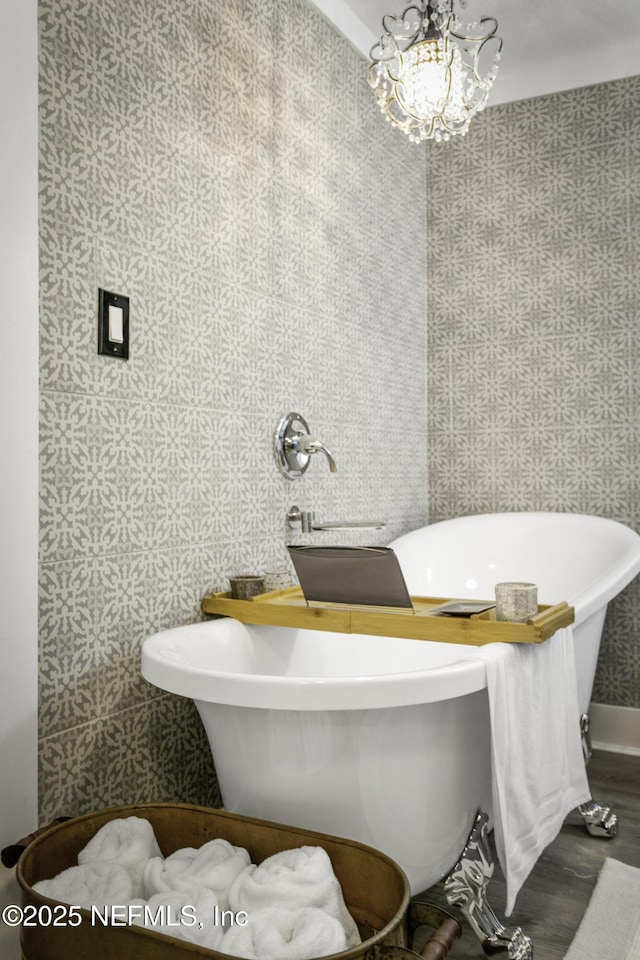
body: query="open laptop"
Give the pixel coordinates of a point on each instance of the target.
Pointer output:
(355, 575)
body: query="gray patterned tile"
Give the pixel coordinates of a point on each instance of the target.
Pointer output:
(217, 168)
(154, 753)
(69, 654)
(533, 303)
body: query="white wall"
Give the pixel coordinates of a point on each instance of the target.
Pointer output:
(18, 435)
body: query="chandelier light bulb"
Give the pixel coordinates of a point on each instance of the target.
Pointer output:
(425, 72)
(424, 80)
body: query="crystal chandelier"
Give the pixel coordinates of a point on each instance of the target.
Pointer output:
(427, 73)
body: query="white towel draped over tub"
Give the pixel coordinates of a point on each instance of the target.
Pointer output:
(538, 771)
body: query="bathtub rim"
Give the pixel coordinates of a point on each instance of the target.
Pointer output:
(598, 593)
(465, 673)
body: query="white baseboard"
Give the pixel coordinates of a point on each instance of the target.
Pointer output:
(615, 728)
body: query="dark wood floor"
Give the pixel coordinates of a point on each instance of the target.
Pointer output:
(555, 896)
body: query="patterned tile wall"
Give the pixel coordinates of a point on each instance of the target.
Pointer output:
(533, 239)
(223, 163)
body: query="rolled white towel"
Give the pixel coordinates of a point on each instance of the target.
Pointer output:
(188, 914)
(302, 877)
(127, 841)
(215, 865)
(92, 884)
(275, 933)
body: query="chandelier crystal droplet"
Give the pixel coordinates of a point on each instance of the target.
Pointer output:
(426, 72)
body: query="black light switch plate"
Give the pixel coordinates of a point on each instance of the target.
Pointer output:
(113, 324)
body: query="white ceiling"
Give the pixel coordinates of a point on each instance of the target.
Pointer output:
(549, 45)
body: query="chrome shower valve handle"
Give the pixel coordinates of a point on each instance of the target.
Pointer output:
(311, 445)
(294, 446)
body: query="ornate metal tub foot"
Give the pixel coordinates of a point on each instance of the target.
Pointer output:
(466, 887)
(585, 736)
(599, 820)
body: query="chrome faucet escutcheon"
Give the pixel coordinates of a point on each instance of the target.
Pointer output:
(294, 446)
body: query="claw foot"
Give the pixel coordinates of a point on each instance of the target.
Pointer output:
(466, 888)
(599, 820)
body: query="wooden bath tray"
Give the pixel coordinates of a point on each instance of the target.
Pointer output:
(288, 608)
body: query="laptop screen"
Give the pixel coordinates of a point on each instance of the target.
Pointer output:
(353, 575)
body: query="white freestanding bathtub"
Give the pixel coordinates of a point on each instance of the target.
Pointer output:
(581, 559)
(384, 740)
